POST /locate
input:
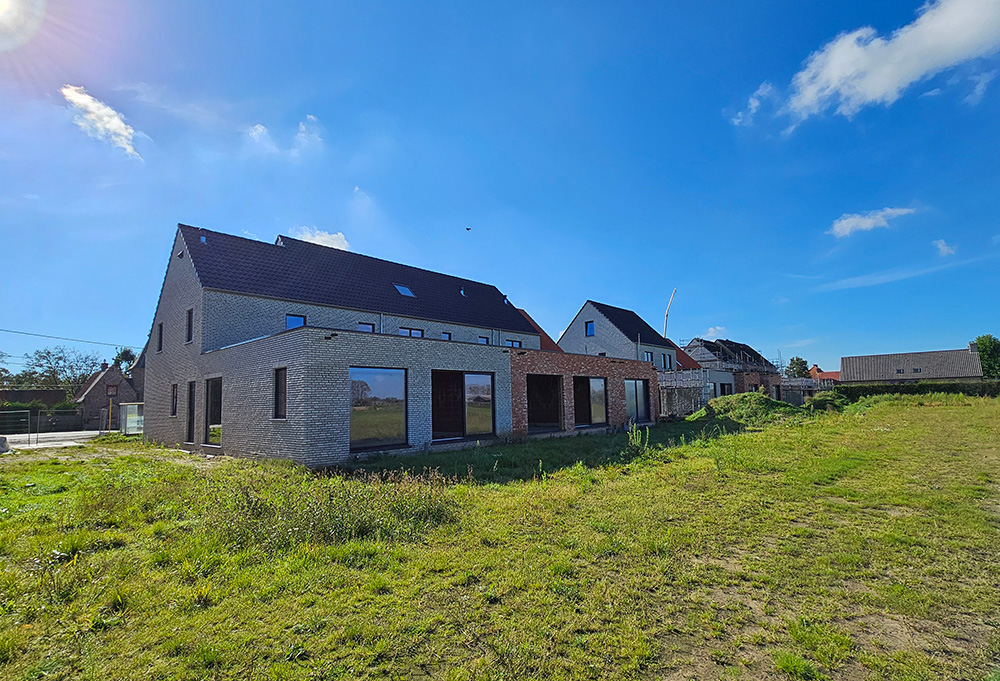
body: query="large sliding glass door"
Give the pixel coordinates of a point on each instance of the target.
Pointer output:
(461, 405)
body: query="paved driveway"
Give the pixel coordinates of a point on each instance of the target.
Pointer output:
(45, 440)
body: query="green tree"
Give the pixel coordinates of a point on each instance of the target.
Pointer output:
(797, 368)
(123, 360)
(989, 355)
(58, 367)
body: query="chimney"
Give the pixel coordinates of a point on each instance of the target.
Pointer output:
(104, 366)
(973, 347)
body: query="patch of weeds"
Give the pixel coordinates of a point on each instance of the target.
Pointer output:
(380, 584)
(10, 648)
(830, 646)
(796, 666)
(208, 657)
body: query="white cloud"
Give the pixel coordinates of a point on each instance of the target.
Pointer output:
(801, 343)
(745, 117)
(982, 81)
(99, 120)
(262, 138)
(307, 138)
(715, 332)
(943, 248)
(886, 277)
(318, 236)
(932, 93)
(849, 223)
(859, 68)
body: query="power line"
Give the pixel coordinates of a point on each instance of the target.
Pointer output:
(72, 340)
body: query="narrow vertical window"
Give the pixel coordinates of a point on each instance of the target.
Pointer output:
(589, 328)
(213, 411)
(281, 393)
(173, 400)
(189, 329)
(159, 337)
(666, 361)
(190, 412)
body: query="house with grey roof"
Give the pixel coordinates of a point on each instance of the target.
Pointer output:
(320, 355)
(316, 354)
(606, 330)
(910, 367)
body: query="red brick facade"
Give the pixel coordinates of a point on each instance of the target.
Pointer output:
(750, 381)
(616, 371)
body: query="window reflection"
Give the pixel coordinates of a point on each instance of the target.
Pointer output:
(378, 407)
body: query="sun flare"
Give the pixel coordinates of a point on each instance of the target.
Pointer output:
(19, 20)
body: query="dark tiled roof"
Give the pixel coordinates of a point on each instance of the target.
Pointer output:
(632, 325)
(301, 271)
(734, 352)
(939, 364)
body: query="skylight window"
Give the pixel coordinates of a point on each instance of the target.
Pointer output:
(404, 290)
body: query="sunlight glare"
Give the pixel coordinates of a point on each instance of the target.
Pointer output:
(19, 20)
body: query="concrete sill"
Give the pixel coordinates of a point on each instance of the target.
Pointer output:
(212, 446)
(278, 420)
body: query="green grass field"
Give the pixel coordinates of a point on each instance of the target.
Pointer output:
(863, 545)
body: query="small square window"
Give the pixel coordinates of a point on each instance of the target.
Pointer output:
(512, 343)
(404, 290)
(366, 327)
(647, 356)
(916, 371)
(589, 328)
(484, 340)
(294, 321)
(602, 354)
(413, 333)
(446, 335)
(900, 371)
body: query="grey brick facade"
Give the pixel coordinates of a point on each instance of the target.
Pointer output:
(610, 340)
(242, 340)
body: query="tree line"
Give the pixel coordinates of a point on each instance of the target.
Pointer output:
(58, 367)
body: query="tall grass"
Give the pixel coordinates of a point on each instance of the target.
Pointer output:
(276, 512)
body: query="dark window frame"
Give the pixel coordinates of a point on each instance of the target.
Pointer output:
(208, 411)
(159, 337)
(405, 290)
(192, 393)
(484, 340)
(588, 328)
(411, 332)
(511, 343)
(446, 335)
(289, 317)
(647, 356)
(280, 393)
(189, 326)
(173, 400)
(370, 329)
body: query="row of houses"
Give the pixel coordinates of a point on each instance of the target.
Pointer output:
(320, 355)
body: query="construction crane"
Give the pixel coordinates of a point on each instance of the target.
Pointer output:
(667, 313)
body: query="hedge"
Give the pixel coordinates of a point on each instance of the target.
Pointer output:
(973, 389)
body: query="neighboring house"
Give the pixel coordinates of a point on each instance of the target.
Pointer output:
(320, 355)
(609, 331)
(94, 401)
(750, 369)
(137, 374)
(825, 379)
(909, 367)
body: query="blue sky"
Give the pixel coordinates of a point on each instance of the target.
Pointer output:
(814, 179)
